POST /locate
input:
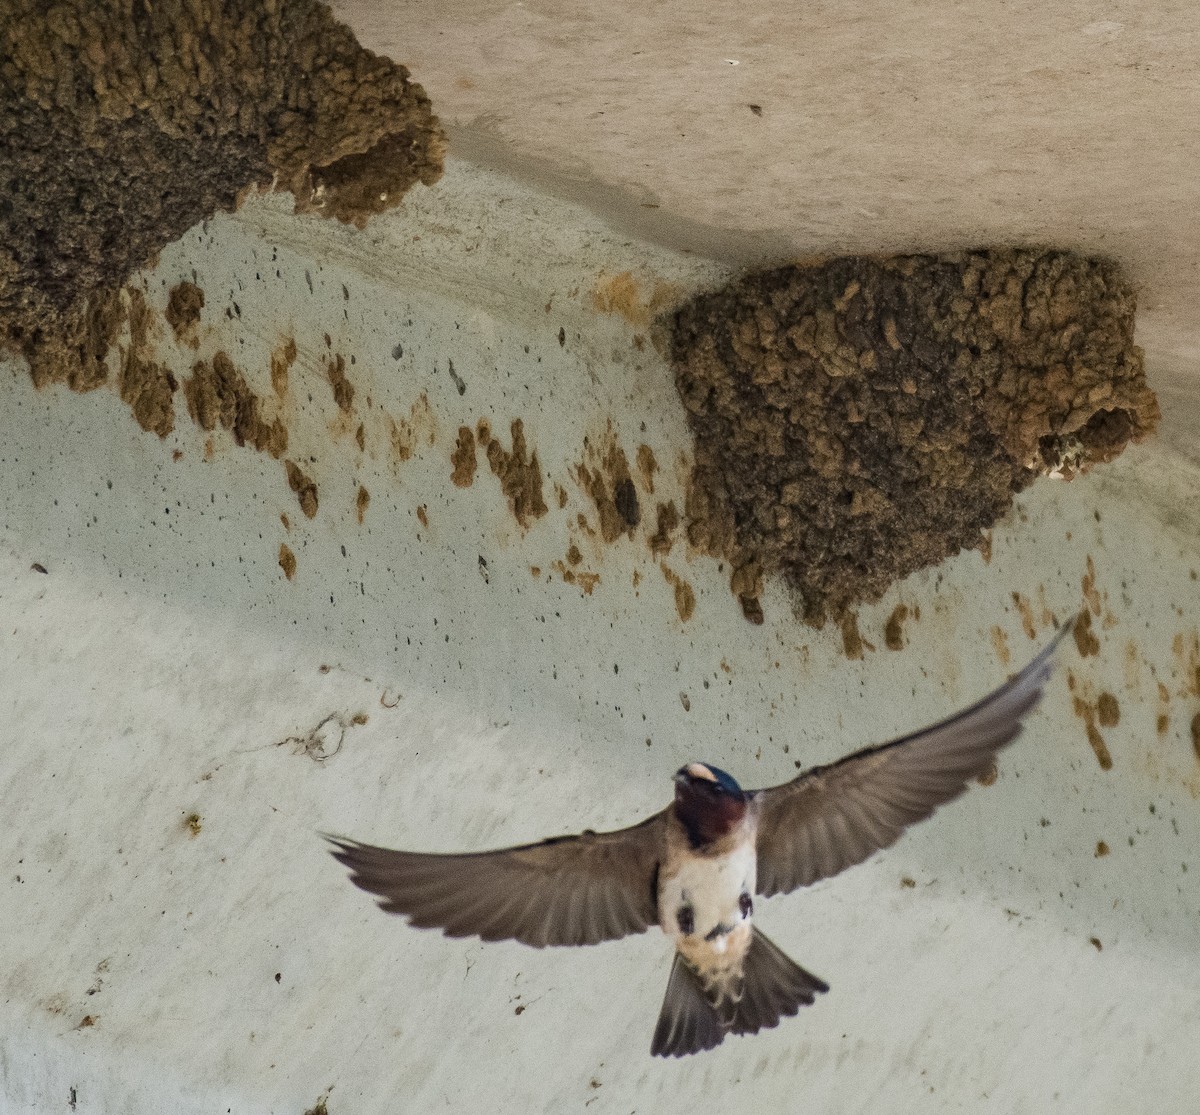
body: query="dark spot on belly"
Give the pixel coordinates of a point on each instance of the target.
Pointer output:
(685, 918)
(746, 904)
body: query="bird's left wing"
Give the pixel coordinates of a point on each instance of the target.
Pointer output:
(569, 890)
(832, 817)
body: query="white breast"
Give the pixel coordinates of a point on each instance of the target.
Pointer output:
(711, 886)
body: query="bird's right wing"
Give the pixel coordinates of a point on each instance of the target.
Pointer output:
(832, 817)
(569, 890)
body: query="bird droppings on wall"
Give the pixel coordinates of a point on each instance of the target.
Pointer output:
(106, 161)
(321, 1107)
(861, 419)
(361, 502)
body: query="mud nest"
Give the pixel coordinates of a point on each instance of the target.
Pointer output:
(862, 419)
(124, 123)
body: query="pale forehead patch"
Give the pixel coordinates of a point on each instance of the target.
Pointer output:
(699, 770)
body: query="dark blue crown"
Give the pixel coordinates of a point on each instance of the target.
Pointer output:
(725, 781)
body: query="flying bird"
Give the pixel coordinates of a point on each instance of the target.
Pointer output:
(696, 868)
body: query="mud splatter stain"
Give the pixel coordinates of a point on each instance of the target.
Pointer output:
(623, 294)
(145, 385)
(662, 539)
(852, 641)
(1085, 637)
(303, 486)
(184, 303)
(1087, 712)
(217, 394)
(893, 630)
(1025, 608)
(343, 389)
(283, 356)
(580, 578)
(685, 596)
(518, 470)
(1088, 584)
(463, 458)
(647, 466)
(604, 475)
(287, 561)
(1000, 644)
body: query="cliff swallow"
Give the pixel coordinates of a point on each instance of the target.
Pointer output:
(696, 868)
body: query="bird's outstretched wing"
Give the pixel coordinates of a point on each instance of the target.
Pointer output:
(832, 817)
(569, 890)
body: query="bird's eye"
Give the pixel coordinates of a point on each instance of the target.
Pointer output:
(685, 918)
(746, 904)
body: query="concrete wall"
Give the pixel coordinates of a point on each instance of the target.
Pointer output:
(179, 718)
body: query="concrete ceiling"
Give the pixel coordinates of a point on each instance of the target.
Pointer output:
(762, 131)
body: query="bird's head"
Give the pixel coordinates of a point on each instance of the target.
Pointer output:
(708, 801)
(707, 779)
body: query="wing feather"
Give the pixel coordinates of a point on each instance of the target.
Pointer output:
(832, 817)
(570, 890)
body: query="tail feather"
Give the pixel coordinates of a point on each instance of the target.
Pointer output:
(687, 1023)
(774, 986)
(696, 1016)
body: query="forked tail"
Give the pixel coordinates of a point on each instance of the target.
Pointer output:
(694, 1018)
